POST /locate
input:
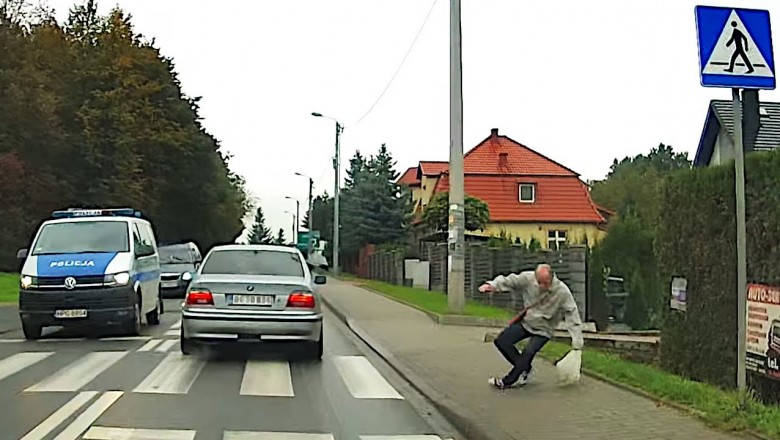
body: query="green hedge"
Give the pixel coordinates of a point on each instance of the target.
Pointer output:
(696, 239)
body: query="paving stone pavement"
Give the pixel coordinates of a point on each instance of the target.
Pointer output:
(456, 362)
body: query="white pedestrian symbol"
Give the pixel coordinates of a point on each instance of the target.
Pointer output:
(736, 52)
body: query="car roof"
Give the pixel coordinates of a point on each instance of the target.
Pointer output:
(106, 218)
(255, 247)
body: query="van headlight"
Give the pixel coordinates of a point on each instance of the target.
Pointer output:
(186, 276)
(122, 278)
(25, 281)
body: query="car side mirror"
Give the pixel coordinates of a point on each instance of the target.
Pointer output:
(320, 279)
(21, 254)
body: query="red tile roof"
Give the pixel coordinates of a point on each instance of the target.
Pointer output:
(558, 199)
(432, 168)
(409, 177)
(485, 158)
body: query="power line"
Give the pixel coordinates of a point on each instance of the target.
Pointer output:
(419, 31)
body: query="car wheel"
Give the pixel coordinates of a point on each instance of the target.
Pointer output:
(317, 349)
(134, 323)
(153, 317)
(185, 344)
(31, 331)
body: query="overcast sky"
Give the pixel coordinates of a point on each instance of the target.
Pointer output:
(581, 82)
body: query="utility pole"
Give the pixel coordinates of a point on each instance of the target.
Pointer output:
(456, 260)
(336, 168)
(336, 223)
(297, 225)
(310, 210)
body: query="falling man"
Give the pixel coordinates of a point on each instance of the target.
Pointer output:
(547, 302)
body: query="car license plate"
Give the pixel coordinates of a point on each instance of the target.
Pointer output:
(166, 284)
(253, 300)
(78, 313)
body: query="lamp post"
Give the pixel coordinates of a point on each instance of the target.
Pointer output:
(336, 168)
(311, 210)
(297, 216)
(295, 220)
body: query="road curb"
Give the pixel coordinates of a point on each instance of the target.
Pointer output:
(457, 416)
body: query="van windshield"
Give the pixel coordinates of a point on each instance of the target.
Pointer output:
(175, 254)
(82, 237)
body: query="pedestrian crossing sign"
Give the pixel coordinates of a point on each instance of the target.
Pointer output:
(735, 48)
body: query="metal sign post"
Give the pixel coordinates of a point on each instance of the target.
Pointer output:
(735, 51)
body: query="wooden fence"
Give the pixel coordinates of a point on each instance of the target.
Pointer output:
(484, 263)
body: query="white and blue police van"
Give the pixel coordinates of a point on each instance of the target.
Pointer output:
(92, 269)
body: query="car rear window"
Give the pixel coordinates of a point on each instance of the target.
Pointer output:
(253, 262)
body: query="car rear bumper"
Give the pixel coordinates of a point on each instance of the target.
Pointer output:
(229, 326)
(105, 306)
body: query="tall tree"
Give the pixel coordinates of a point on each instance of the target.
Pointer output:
(259, 234)
(279, 239)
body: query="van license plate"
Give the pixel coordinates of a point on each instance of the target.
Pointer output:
(253, 300)
(78, 313)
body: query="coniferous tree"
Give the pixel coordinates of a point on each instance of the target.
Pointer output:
(259, 234)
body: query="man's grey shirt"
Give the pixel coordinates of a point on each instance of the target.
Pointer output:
(558, 306)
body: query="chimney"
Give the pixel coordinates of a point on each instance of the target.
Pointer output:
(493, 133)
(502, 160)
(751, 118)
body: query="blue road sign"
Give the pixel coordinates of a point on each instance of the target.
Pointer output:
(735, 48)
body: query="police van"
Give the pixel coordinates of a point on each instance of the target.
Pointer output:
(91, 268)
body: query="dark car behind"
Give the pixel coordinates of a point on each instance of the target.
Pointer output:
(177, 264)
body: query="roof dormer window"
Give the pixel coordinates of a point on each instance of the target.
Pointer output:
(527, 192)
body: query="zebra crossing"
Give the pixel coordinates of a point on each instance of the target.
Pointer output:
(176, 374)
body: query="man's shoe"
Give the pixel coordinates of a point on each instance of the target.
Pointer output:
(498, 383)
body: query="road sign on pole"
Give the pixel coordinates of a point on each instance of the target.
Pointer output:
(735, 51)
(735, 48)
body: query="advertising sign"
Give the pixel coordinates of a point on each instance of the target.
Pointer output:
(763, 330)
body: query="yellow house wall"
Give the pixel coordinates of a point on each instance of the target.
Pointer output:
(425, 192)
(575, 233)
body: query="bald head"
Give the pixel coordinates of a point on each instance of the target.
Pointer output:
(544, 276)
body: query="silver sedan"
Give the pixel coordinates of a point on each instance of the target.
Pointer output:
(253, 292)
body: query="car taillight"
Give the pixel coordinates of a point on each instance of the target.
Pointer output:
(199, 297)
(301, 299)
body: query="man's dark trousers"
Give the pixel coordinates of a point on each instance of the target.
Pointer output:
(521, 362)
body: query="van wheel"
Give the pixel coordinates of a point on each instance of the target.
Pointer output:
(153, 317)
(134, 323)
(31, 331)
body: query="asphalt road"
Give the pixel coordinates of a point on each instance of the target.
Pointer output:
(67, 387)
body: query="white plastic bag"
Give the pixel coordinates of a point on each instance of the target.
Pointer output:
(569, 367)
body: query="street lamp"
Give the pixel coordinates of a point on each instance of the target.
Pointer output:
(336, 168)
(311, 210)
(297, 216)
(295, 220)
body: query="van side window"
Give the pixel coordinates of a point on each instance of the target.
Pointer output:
(147, 235)
(143, 248)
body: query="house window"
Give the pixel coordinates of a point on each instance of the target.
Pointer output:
(527, 192)
(556, 239)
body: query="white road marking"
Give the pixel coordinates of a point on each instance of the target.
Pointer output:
(61, 340)
(267, 378)
(174, 375)
(400, 437)
(166, 345)
(150, 345)
(362, 379)
(127, 338)
(79, 373)
(255, 435)
(11, 341)
(106, 433)
(177, 325)
(41, 431)
(15, 363)
(172, 333)
(88, 417)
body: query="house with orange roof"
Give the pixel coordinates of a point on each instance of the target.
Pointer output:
(528, 194)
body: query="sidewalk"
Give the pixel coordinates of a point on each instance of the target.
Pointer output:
(451, 366)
